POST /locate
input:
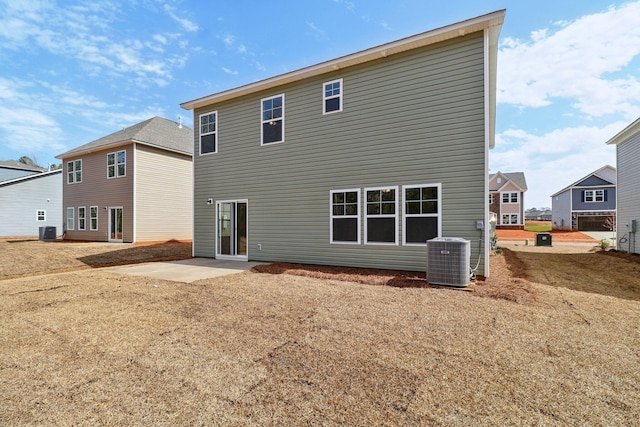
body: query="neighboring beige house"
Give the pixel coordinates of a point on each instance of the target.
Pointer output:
(506, 198)
(132, 186)
(627, 144)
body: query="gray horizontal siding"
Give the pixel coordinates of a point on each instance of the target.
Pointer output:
(628, 158)
(20, 201)
(415, 118)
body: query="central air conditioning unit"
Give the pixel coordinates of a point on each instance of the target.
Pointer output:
(448, 261)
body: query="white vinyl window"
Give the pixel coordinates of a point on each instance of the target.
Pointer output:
(272, 120)
(421, 213)
(345, 216)
(117, 164)
(41, 215)
(381, 215)
(510, 219)
(74, 171)
(594, 196)
(510, 197)
(70, 218)
(93, 218)
(82, 218)
(332, 96)
(209, 133)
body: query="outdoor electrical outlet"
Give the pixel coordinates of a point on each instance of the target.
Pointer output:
(259, 246)
(479, 224)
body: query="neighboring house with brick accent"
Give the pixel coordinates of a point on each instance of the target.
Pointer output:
(506, 198)
(133, 186)
(587, 204)
(356, 161)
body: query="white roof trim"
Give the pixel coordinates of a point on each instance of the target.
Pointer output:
(123, 143)
(625, 133)
(480, 23)
(36, 175)
(595, 173)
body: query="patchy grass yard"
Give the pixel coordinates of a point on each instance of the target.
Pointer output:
(97, 348)
(538, 226)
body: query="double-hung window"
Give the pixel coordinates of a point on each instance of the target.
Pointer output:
(82, 218)
(509, 219)
(41, 215)
(70, 218)
(74, 171)
(421, 215)
(381, 215)
(510, 197)
(594, 196)
(345, 216)
(208, 133)
(93, 218)
(273, 119)
(117, 164)
(332, 96)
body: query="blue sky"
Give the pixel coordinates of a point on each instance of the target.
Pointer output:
(74, 71)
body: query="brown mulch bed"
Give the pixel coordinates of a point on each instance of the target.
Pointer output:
(506, 280)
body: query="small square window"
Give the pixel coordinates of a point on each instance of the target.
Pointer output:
(41, 215)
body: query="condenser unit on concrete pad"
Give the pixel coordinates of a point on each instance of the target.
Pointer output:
(448, 261)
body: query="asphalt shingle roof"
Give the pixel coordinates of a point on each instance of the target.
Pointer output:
(157, 132)
(516, 177)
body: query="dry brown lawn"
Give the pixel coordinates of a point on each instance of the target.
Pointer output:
(558, 344)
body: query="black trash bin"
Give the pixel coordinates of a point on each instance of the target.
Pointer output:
(543, 239)
(47, 233)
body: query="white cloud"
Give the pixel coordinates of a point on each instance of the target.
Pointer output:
(86, 33)
(576, 62)
(553, 160)
(316, 31)
(229, 71)
(186, 24)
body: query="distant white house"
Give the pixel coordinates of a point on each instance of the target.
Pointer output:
(31, 201)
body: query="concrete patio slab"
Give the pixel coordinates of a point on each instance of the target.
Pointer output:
(187, 271)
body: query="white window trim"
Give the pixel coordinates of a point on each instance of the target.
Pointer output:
(215, 132)
(116, 163)
(84, 218)
(509, 193)
(325, 97)
(90, 218)
(262, 143)
(508, 222)
(595, 198)
(71, 176)
(71, 220)
(44, 215)
(405, 216)
(394, 216)
(357, 216)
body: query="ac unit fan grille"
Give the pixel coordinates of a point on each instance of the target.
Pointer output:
(448, 261)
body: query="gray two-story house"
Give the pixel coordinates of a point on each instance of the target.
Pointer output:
(356, 161)
(588, 204)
